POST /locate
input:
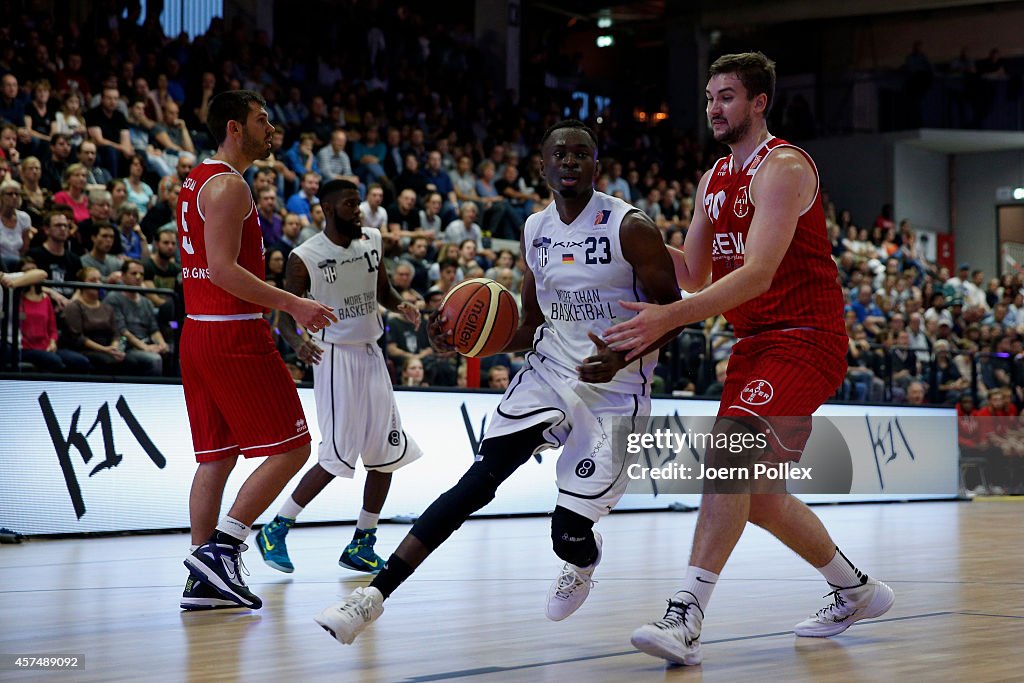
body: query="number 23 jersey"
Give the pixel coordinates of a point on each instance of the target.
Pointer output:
(581, 276)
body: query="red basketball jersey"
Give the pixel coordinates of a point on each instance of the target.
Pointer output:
(805, 292)
(202, 297)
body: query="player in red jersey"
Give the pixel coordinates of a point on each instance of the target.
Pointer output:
(239, 395)
(761, 236)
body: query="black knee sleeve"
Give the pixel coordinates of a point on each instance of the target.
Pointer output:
(572, 537)
(500, 457)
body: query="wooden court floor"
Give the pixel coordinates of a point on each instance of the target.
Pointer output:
(475, 611)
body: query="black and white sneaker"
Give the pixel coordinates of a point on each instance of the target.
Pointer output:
(200, 596)
(676, 636)
(220, 566)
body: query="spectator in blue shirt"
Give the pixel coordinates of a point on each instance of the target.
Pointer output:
(302, 201)
(868, 313)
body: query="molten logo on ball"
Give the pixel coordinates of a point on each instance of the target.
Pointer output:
(474, 318)
(757, 392)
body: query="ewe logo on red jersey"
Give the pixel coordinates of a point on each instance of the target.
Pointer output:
(757, 392)
(741, 207)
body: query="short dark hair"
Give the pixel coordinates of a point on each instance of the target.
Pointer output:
(755, 71)
(128, 263)
(233, 105)
(334, 186)
(569, 123)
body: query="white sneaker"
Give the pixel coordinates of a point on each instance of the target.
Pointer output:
(676, 636)
(347, 619)
(849, 606)
(571, 588)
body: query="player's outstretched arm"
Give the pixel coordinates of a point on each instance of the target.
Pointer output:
(644, 249)
(784, 186)
(226, 201)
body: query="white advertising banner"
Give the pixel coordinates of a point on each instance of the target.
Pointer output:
(79, 457)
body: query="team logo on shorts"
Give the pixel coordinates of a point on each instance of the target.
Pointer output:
(300, 425)
(327, 268)
(585, 468)
(757, 392)
(741, 207)
(394, 438)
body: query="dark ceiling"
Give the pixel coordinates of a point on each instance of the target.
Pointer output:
(724, 14)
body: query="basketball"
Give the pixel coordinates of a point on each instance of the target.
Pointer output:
(483, 316)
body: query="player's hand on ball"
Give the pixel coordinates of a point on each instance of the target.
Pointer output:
(648, 326)
(602, 366)
(312, 315)
(442, 338)
(309, 352)
(410, 312)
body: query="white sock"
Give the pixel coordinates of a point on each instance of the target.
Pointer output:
(232, 527)
(367, 520)
(290, 509)
(701, 583)
(841, 573)
(192, 549)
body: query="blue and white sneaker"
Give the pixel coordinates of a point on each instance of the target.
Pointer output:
(270, 541)
(220, 566)
(359, 554)
(198, 595)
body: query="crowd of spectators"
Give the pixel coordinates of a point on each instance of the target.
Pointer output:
(99, 131)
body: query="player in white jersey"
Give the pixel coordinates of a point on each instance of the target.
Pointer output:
(355, 405)
(586, 252)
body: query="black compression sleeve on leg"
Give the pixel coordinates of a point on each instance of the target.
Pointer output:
(500, 457)
(391, 577)
(572, 537)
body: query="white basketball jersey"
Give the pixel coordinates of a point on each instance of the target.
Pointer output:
(581, 276)
(345, 278)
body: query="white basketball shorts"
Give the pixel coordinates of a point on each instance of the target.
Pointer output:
(591, 478)
(356, 411)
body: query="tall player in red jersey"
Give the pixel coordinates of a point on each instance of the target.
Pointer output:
(240, 398)
(761, 236)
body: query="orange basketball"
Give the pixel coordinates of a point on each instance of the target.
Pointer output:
(482, 314)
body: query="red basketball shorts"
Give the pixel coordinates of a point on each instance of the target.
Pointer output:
(239, 395)
(778, 379)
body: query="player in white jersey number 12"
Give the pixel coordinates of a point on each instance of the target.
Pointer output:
(355, 405)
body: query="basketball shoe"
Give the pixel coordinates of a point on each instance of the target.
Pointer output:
(348, 618)
(849, 605)
(220, 566)
(270, 542)
(359, 554)
(200, 596)
(676, 636)
(572, 587)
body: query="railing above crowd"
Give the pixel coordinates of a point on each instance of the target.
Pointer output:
(692, 364)
(80, 348)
